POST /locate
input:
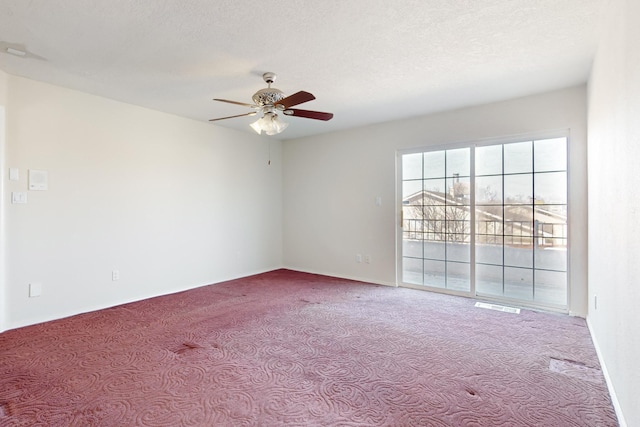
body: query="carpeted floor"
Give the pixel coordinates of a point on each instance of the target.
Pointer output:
(288, 348)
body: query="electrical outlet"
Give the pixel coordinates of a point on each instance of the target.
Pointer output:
(358, 258)
(115, 275)
(367, 259)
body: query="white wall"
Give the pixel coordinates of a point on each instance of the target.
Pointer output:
(169, 202)
(3, 100)
(614, 203)
(331, 182)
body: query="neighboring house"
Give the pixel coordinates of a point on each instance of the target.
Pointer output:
(436, 216)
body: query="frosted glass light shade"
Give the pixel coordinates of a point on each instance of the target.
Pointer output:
(270, 123)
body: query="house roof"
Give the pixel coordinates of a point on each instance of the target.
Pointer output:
(548, 214)
(367, 61)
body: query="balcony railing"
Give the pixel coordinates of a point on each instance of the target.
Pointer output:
(510, 233)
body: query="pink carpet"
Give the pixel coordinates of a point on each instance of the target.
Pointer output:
(287, 348)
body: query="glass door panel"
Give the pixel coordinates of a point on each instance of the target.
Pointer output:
(518, 283)
(458, 276)
(521, 222)
(435, 273)
(436, 225)
(434, 164)
(551, 188)
(517, 237)
(518, 189)
(490, 279)
(412, 268)
(488, 160)
(551, 155)
(551, 286)
(518, 157)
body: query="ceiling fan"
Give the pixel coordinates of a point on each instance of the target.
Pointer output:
(269, 101)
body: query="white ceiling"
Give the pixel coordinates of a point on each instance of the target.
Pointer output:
(366, 61)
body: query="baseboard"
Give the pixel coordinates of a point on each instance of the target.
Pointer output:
(127, 300)
(340, 276)
(603, 367)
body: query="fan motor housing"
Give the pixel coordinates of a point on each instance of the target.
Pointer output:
(267, 96)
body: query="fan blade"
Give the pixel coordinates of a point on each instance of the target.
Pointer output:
(318, 115)
(236, 102)
(253, 113)
(295, 99)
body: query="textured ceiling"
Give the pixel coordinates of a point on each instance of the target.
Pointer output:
(366, 61)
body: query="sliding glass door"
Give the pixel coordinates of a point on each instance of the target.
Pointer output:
(513, 247)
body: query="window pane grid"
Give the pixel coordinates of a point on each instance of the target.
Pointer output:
(438, 215)
(519, 219)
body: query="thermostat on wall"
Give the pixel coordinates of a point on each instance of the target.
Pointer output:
(38, 180)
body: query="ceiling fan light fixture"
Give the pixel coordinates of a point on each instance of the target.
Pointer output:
(256, 126)
(276, 125)
(269, 101)
(270, 124)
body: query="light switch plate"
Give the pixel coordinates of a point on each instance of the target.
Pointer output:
(14, 174)
(18, 198)
(35, 289)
